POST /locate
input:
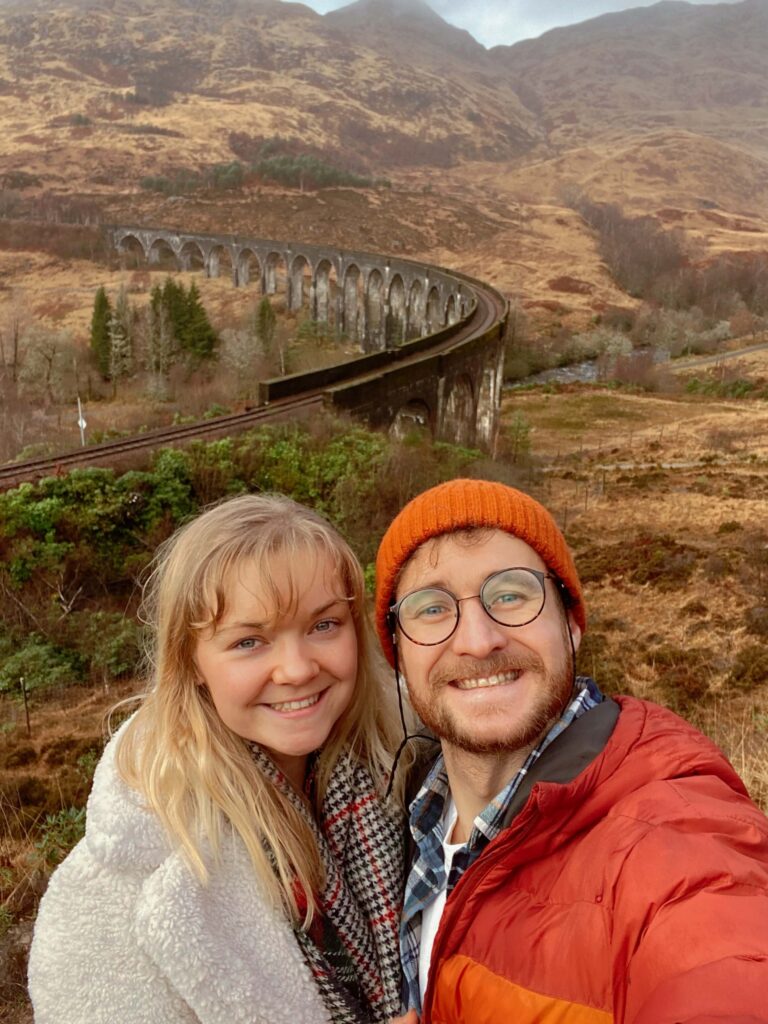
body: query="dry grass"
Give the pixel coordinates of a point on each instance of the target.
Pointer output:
(41, 773)
(664, 502)
(740, 727)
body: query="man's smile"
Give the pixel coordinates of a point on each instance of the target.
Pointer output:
(479, 682)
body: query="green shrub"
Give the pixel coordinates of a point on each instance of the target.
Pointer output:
(41, 665)
(739, 387)
(86, 764)
(215, 410)
(61, 832)
(307, 171)
(72, 547)
(108, 643)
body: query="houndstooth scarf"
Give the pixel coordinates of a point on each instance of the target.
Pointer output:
(361, 846)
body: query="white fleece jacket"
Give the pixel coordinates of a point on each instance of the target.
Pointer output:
(127, 935)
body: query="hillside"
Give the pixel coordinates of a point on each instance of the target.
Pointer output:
(697, 67)
(96, 95)
(661, 110)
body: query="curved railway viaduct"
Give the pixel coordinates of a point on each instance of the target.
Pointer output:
(431, 341)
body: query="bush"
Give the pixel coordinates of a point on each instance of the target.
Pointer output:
(61, 832)
(750, 667)
(597, 658)
(647, 558)
(739, 388)
(41, 665)
(306, 171)
(108, 643)
(757, 621)
(683, 674)
(516, 438)
(72, 547)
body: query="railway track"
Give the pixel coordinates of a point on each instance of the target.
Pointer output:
(490, 308)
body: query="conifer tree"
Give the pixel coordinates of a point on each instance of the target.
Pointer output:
(265, 324)
(174, 299)
(161, 343)
(120, 340)
(100, 342)
(198, 337)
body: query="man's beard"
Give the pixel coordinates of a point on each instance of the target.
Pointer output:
(553, 691)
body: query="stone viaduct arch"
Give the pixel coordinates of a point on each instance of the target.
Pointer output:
(378, 301)
(456, 395)
(392, 308)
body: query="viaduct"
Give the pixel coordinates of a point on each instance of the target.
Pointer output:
(430, 341)
(411, 318)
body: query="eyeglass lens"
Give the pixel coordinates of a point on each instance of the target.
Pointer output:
(512, 597)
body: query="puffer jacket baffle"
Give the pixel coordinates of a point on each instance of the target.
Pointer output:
(628, 888)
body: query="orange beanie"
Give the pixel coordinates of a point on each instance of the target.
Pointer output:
(461, 505)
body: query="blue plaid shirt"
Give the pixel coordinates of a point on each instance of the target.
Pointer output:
(427, 876)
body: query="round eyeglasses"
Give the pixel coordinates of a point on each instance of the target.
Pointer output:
(511, 597)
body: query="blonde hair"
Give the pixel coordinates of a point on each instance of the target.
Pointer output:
(197, 774)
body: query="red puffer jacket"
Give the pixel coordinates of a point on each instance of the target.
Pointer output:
(636, 892)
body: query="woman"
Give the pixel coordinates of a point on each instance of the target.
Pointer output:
(240, 863)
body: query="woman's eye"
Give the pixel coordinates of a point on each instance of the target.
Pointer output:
(326, 625)
(248, 643)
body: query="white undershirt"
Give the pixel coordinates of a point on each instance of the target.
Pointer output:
(431, 914)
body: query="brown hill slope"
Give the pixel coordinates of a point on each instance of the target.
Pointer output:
(662, 110)
(702, 68)
(128, 86)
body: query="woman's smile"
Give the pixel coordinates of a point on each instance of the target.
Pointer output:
(281, 673)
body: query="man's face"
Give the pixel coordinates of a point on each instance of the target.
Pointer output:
(488, 688)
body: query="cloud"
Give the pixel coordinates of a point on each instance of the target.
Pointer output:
(501, 22)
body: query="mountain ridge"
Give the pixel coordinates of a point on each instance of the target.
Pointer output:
(661, 110)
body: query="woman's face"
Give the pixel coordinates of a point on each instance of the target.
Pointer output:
(282, 680)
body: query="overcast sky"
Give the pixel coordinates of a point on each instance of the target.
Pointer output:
(494, 22)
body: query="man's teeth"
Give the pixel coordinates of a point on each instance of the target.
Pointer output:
(481, 681)
(297, 705)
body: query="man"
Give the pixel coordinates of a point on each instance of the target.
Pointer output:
(577, 859)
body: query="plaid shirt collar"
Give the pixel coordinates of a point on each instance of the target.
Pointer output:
(427, 876)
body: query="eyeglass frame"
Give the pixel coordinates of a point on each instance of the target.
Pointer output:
(393, 615)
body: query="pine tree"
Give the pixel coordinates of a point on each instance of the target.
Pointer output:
(198, 337)
(100, 342)
(120, 340)
(161, 343)
(265, 324)
(174, 299)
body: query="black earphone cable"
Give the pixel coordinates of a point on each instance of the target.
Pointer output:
(407, 736)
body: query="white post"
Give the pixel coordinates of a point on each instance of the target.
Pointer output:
(81, 422)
